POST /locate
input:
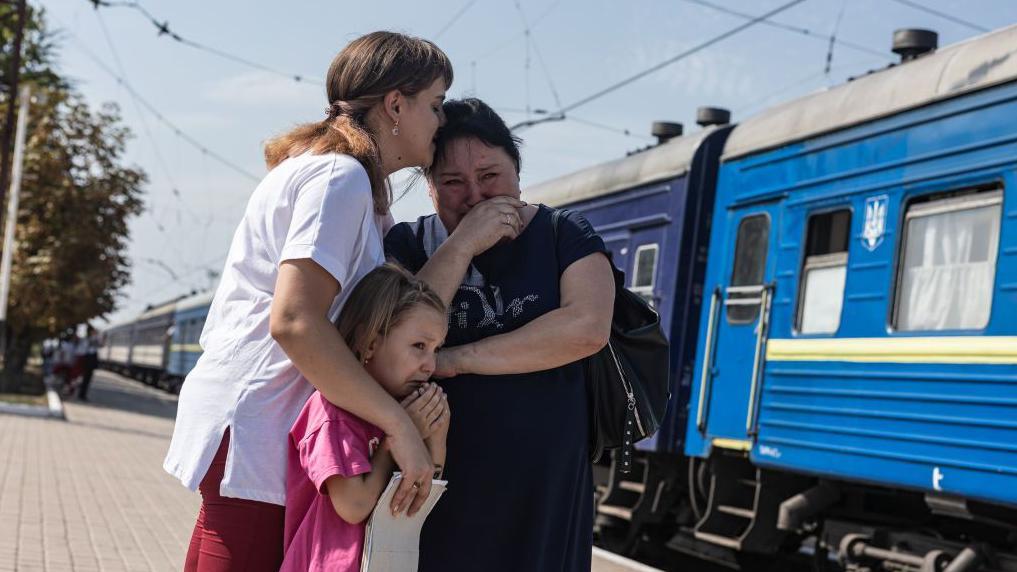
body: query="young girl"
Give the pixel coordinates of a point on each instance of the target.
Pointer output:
(339, 464)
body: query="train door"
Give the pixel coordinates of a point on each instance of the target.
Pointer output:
(736, 335)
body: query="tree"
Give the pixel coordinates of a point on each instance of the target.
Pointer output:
(77, 197)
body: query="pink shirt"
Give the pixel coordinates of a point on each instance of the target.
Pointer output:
(324, 441)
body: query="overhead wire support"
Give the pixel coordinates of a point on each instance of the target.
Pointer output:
(942, 15)
(532, 43)
(508, 41)
(560, 114)
(532, 122)
(833, 38)
(163, 29)
(619, 130)
(789, 28)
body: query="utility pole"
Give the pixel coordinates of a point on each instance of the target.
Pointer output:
(14, 74)
(12, 214)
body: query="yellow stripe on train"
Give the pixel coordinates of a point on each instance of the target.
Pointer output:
(955, 349)
(185, 348)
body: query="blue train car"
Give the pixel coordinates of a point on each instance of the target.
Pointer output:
(160, 346)
(149, 343)
(856, 367)
(115, 352)
(653, 210)
(184, 350)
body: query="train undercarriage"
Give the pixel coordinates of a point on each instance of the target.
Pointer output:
(147, 375)
(726, 511)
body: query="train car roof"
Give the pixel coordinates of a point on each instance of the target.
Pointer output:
(195, 301)
(665, 161)
(118, 325)
(158, 310)
(967, 66)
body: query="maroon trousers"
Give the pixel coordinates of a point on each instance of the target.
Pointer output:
(233, 534)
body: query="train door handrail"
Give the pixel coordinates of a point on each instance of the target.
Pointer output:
(762, 331)
(708, 360)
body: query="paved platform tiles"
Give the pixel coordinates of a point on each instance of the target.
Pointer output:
(89, 493)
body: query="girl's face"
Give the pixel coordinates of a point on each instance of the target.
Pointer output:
(420, 117)
(405, 358)
(470, 172)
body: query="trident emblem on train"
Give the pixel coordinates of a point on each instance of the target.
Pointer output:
(875, 221)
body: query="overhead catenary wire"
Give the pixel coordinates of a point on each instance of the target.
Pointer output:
(561, 113)
(158, 115)
(145, 127)
(507, 42)
(833, 38)
(454, 19)
(206, 265)
(531, 42)
(745, 109)
(790, 28)
(164, 30)
(514, 37)
(619, 130)
(943, 15)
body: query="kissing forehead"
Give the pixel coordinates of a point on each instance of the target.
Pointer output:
(468, 154)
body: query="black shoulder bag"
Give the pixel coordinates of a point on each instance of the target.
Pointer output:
(628, 382)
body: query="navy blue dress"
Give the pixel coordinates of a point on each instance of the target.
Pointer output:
(520, 493)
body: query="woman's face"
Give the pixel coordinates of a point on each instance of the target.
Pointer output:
(419, 120)
(470, 172)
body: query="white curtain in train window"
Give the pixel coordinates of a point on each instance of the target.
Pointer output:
(822, 299)
(949, 266)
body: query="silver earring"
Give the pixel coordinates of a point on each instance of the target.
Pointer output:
(395, 130)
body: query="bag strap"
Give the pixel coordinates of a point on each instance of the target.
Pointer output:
(556, 215)
(624, 462)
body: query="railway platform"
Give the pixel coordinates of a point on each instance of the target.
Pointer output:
(89, 494)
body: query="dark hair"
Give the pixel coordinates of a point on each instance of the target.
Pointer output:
(379, 302)
(358, 79)
(471, 117)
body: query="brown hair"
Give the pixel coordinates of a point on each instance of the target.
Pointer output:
(358, 79)
(379, 302)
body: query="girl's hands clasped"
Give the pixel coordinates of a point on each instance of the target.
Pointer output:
(427, 407)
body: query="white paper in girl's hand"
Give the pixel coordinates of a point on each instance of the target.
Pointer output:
(392, 544)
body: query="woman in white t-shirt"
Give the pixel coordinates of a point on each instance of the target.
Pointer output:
(312, 229)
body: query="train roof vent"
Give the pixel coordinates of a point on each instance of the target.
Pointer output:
(666, 130)
(911, 43)
(707, 116)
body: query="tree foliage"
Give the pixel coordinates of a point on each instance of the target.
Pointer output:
(37, 51)
(77, 196)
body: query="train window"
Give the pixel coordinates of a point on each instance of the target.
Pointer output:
(749, 267)
(824, 273)
(644, 271)
(949, 263)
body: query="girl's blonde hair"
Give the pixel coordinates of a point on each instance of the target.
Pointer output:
(358, 79)
(379, 302)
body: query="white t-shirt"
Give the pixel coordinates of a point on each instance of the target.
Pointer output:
(312, 206)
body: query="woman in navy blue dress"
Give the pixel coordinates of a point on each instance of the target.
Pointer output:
(520, 495)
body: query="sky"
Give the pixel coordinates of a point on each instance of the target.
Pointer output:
(200, 119)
